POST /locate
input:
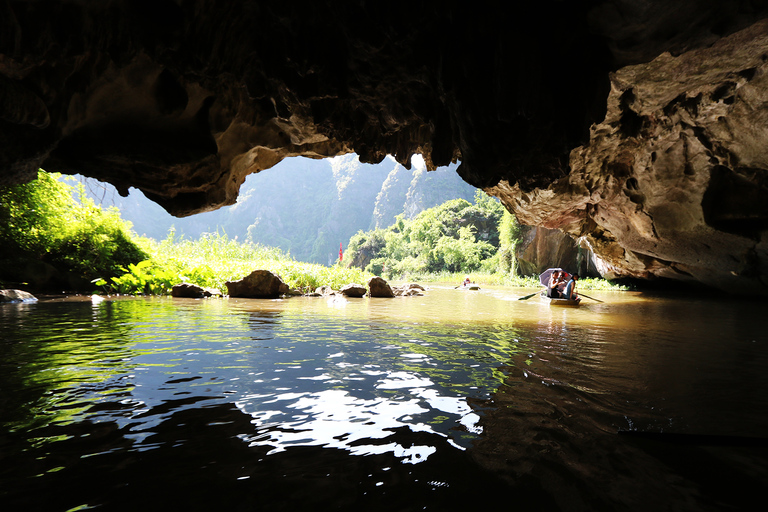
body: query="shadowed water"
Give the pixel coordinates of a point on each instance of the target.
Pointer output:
(448, 401)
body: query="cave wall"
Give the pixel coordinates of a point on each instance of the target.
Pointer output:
(674, 181)
(556, 107)
(541, 248)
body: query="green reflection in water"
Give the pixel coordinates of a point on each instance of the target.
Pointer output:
(123, 359)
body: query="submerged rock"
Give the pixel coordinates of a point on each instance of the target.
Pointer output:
(408, 290)
(192, 291)
(378, 287)
(16, 296)
(259, 284)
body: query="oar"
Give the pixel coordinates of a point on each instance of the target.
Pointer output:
(587, 296)
(529, 296)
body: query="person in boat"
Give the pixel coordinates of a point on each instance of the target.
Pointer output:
(570, 288)
(562, 280)
(467, 282)
(552, 291)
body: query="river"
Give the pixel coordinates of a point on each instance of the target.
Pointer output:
(449, 401)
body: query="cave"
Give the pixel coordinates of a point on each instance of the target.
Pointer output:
(636, 127)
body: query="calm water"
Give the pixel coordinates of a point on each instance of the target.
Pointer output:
(450, 401)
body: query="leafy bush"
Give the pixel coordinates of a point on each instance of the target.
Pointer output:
(52, 221)
(456, 236)
(214, 259)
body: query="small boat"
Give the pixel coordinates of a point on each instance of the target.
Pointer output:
(469, 287)
(561, 302)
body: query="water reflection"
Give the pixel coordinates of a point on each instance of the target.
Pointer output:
(351, 402)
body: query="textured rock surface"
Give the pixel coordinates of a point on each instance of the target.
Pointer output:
(16, 296)
(259, 284)
(673, 183)
(353, 290)
(541, 248)
(192, 291)
(183, 99)
(408, 290)
(378, 287)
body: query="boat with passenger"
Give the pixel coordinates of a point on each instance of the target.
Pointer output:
(468, 285)
(561, 302)
(555, 279)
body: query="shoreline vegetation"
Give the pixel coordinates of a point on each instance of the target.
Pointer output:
(51, 223)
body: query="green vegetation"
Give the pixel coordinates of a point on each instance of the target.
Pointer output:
(214, 258)
(449, 242)
(454, 237)
(51, 222)
(41, 223)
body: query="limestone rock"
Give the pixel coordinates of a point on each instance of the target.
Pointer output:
(324, 290)
(258, 284)
(542, 248)
(674, 182)
(408, 290)
(353, 290)
(378, 287)
(16, 296)
(192, 291)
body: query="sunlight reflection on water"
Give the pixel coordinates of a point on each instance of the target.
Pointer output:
(415, 381)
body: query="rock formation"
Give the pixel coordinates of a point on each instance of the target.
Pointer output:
(378, 287)
(674, 181)
(408, 290)
(542, 248)
(259, 284)
(353, 290)
(12, 295)
(182, 99)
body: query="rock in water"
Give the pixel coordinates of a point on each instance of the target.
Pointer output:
(353, 290)
(259, 284)
(192, 291)
(16, 296)
(378, 287)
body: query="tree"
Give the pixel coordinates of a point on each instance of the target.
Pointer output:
(50, 221)
(456, 236)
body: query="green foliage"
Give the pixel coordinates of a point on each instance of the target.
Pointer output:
(456, 236)
(53, 221)
(214, 259)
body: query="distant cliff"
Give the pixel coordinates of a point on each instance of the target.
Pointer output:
(327, 202)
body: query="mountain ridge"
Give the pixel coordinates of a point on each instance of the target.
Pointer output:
(330, 200)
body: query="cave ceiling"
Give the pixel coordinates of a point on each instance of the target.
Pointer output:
(637, 126)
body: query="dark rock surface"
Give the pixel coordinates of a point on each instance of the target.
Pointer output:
(674, 181)
(13, 295)
(378, 287)
(193, 291)
(353, 290)
(259, 284)
(542, 248)
(183, 99)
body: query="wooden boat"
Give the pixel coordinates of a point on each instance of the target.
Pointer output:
(469, 287)
(561, 302)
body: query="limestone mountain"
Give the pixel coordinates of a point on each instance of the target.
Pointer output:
(305, 207)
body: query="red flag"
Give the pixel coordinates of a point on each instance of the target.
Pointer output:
(340, 253)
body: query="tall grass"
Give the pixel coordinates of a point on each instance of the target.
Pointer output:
(214, 259)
